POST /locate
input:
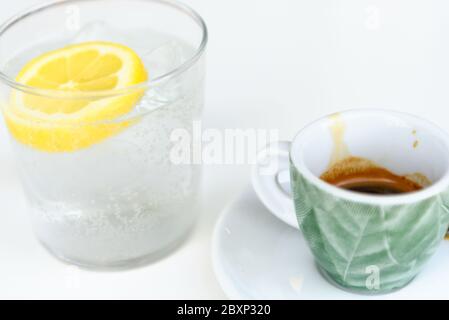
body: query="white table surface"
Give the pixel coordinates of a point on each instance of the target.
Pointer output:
(264, 71)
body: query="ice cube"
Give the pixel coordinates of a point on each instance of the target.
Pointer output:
(159, 61)
(98, 31)
(164, 58)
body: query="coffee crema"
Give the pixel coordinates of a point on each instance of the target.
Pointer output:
(362, 175)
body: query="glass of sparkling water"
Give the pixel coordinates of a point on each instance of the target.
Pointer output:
(116, 199)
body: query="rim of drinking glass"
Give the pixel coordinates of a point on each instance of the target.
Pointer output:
(52, 93)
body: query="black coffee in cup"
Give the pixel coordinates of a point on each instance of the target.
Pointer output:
(361, 175)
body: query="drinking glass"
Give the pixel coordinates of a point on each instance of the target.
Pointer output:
(112, 197)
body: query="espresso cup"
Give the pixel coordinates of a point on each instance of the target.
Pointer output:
(361, 242)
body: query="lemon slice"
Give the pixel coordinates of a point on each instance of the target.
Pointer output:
(65, 122)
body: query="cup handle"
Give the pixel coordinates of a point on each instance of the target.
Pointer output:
(271, 181)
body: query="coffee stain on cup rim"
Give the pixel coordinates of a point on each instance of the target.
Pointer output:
(416, 142)
(338, 128)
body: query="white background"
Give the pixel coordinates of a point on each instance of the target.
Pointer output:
(271, 64)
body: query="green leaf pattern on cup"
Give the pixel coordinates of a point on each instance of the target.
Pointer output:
(348, 239)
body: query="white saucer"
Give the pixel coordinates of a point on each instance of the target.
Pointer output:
(256, 256)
